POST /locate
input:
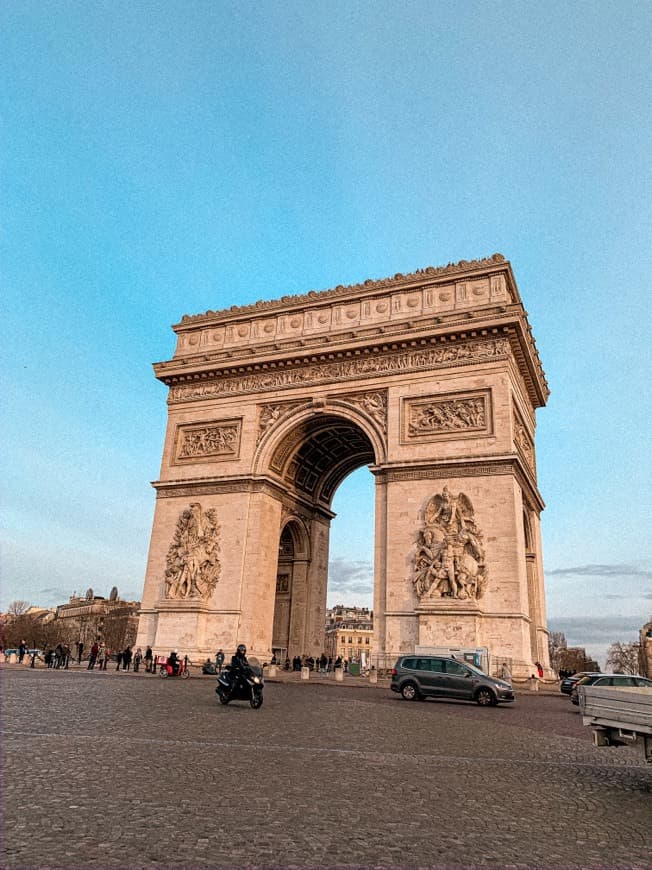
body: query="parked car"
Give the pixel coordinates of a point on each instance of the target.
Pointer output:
(417, 677)
(567, 684)
(632, 680)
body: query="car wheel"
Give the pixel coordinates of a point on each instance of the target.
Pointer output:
(410, 692)
(485, 698)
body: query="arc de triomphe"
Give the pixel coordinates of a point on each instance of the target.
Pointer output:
(432, 380)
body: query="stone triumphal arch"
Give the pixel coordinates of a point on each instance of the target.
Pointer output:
(431, 380)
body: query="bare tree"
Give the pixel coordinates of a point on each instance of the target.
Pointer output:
(18, 608)
(623, 658)
(556, 645)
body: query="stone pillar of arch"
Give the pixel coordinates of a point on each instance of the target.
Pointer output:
(431, 380)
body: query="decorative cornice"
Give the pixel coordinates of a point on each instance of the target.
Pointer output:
(342, 290)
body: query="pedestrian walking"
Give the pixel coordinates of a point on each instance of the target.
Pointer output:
(149, 655)
(118, 658)
(127, 656)
(93, 656)
(80, 650)
(505, 673)
(219, 661)
(138, 657)
(102, 656)
(22, 649)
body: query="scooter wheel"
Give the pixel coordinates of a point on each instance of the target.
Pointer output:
(185, 675)
(224, 699)
(256, 700)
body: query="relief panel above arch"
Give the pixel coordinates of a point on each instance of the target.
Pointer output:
(446, 415)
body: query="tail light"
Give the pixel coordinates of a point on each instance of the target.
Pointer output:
(394, 672)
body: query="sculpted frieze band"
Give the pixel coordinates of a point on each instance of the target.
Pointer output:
(461, 353)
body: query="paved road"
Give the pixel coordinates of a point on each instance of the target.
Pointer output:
(106, 770)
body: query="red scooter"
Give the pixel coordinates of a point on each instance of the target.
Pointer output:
(181, 669)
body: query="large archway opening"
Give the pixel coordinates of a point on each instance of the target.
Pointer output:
(318, 458)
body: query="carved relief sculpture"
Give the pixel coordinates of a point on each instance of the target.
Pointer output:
(445, 416)
(203, 442)
(523, 440)
(450, 558)
(319, 373)
(372, 403)
(193, 566)
(271, 414)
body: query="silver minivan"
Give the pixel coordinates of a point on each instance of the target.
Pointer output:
(417, 677)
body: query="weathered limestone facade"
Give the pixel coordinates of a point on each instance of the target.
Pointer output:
(432, 380)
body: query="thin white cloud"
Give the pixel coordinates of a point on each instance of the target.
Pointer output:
(601, 571)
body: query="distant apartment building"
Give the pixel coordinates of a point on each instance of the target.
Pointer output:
(349, 634)
(94, 617)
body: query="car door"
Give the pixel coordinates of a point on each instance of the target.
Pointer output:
(426, 676)
(457, 680)
(436, 676)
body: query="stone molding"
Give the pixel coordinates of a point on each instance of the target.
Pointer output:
(214, 440)
(317, 296)
(481, 467)
(446, 416)
(218, 486)
(404, 361)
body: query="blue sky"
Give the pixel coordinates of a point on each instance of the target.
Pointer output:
(158, 159)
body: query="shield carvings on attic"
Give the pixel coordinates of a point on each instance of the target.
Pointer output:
(193, 567)
(450, 557)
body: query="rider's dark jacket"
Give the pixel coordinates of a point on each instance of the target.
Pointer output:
(238, 665)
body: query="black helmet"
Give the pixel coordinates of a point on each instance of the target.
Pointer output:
(242, 649)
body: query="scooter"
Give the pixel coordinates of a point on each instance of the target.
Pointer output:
(247, 686)
(182, 671)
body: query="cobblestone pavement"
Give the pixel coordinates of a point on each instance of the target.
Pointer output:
(108, 770)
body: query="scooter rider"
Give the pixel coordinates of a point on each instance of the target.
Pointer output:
(173, 661)
(238, 665)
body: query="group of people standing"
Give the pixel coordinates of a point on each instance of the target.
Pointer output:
(323, 663)
(100, 655)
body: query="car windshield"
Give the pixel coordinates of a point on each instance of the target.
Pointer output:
(474, 669)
